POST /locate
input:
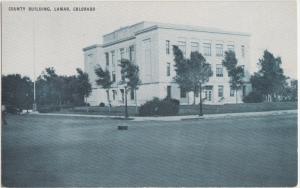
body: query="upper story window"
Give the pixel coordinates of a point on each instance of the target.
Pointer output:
(167, 47)
(107, 58)
(230, 47)
(243, 50)
(131, 53)
(182, 47)
(207, 49)
(194, 47)
(219, 49)
(168, 69)
(113, 58)
(220, 91)
(122, 53)
(219, 70)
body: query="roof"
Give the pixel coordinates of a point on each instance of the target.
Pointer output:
(146, 25)
(91, 47)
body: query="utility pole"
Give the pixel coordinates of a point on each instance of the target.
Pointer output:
(200, 103)
(34, 76)
(126, 107)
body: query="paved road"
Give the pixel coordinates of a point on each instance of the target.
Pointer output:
(76, 151)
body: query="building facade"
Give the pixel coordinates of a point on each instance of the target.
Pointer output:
(149, 45)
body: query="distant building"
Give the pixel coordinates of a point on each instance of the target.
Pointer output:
(149, 45)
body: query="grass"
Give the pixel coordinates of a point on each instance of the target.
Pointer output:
(190, 109)
(47, 151)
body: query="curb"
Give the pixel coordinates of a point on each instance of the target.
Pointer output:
(179, 118)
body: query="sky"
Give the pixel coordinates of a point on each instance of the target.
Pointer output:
(55, 39)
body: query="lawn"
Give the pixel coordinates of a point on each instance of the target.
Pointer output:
(72, 151)
(190, 109)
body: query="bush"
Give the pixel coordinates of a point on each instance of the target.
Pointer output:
(48, 108)
(165, 107)
(149, 108)
(102, 104)
(168, 107)
(253, 97)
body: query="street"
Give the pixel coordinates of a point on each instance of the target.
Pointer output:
(78, 151)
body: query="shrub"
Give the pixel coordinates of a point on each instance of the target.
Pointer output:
(102, 104)
(48, 108)
(163, 107)
(253, 97)
(149, 108)
(168, 107)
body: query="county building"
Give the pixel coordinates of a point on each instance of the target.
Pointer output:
(149, 45)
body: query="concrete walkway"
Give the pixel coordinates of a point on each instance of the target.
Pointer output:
(179, 118)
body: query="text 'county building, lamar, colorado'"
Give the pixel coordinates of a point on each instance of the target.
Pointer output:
(149, 45)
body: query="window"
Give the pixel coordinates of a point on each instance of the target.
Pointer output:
(196, 93)
(131, 53)
(169, 91)
(167, 47)
(230, 47)
(194, 47)
(107, 59)
(182, 93)
(219, 70)
(220, 91)
(147, 75)
(114, 94)
(122, 92)
(207, 49)
(182, 47)
(208, 94)
(231, 92)
(113, 76)
(244, 91)
(122, 52)
(219, 49)
(132, 94)
(168, 69)
(243, 51)
(113, 58)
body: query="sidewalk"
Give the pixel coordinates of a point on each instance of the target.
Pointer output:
(179, 118)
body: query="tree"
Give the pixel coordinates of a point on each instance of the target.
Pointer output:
(270, 79)
(130, 78)
(182, 69)
(54, 89)
(294, 90)
(193, 73)
(84, 87)
(105, 81)
(50, 88)
(17, 91)
(236, 73)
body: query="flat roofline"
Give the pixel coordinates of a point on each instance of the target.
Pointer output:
(121, 28)
(91, 47)
(206, 30)
(154, 25)
(118, 41)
